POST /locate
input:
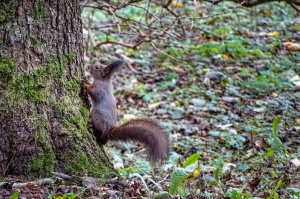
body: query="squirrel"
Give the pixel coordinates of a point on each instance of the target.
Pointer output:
(103, 115)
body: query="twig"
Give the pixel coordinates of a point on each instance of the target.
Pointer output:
(165, 178)
(116, 181)
(147, 12)
(117, 43)
(44, 181)
(177, 17)
(128, 63)
(10, 161)
(163, 52)
(61, 175)
(294, 6)
(117, 21)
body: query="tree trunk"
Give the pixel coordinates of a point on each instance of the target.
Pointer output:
(43, 119)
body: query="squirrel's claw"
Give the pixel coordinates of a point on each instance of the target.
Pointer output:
(84, 81)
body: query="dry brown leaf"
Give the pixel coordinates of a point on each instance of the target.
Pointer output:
(178, 69)
(291, 46)
(30, 185)
(235, 76)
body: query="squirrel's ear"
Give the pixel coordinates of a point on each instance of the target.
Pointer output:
(116, 64)
(112, 67)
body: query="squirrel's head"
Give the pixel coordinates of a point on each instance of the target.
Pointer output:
(99, 71)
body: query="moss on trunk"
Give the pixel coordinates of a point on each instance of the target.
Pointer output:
(43, 117)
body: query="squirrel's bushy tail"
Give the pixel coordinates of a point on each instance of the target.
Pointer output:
(147, 132)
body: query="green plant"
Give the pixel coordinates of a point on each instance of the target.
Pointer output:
(277, 146)
(63, 196)
(218, 164)
(15, 195)
(266, 83)
(181, 176)
(236, 193)
(169, 80)
(177, 179)
(236, 141)
(274, 193)
(295, 193)
(144, 93)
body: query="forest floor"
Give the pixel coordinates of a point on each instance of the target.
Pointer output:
(229, 100)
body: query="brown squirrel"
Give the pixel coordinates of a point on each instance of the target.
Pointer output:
(103, 115)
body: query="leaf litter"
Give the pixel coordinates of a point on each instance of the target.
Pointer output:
(232, 101)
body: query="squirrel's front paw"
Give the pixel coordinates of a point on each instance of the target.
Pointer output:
(85, 81)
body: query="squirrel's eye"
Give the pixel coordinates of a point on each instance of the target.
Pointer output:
(97, 67)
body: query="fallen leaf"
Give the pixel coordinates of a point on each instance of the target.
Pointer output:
(198, 102)
(230, 99)
(273, 34)
(178, 69)
(296, 80)
(254, 182)
(154, 105)
(235, 76)
(260, 109)
(205, 70)
(226, 56)
(89, 181)
(215, 76)
(262, 34)
(129, 116)
(274, 94)
(177, 114)
(228, 167)
(206, 81)
(291, 46)
(296, 162)
(30, 185)
(258, 143)
(176, 4)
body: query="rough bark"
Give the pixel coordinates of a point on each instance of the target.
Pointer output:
(43, 119)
